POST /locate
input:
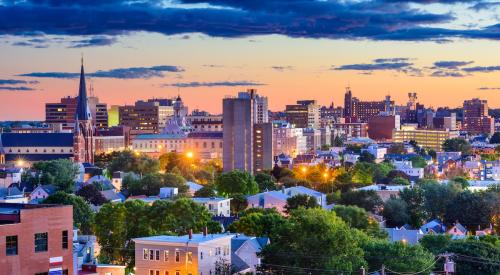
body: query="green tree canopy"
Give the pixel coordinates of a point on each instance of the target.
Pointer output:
(91, 194)
(296, 244)
(366, 199)
(418, 162)
(60, 172)
(83, 215)
(300, 200)
(236, 182)
(128, 161)
(457, 145)
(258, 224)
(395, 212)
(265, 182)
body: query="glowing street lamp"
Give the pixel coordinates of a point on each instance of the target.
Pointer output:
(20, 163)
(325, 175)
(189, 154)
(304, 169)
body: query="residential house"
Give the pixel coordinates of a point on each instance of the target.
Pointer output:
(385, 192)
(193, 187)
(168, 192)
(458, 231)
(278, 199)
(112, 196)
(407, 167)
(9, 176)
(12, 195)
(407, 236)
(433, 227)
(41, 192)
(244, 252)
(216, 206)
(188, 254)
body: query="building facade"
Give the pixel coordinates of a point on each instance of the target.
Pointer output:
(427, 138)
(36, 239)
(63, 112)
(263, 147)
(476, 119)
(304, 114)
(84, 130)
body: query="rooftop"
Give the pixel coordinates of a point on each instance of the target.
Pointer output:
(37, 139)
(196, 239)
(213, 199)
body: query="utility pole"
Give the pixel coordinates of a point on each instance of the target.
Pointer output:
(382, 270)
(362, 271)
(449, 265)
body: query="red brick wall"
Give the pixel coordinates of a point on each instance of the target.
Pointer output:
(39, 220)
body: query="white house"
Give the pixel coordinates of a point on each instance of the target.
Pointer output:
(193, 187)
(352, 158)
(278, 199)
(407, 168)
(376, 151)
(245, 249)
(41, 192)
(168, 192)
(216, 206)
(188, 254)
(9, 176)
(403, 235)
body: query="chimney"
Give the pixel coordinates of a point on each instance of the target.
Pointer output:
(205, 231)
(190, 234)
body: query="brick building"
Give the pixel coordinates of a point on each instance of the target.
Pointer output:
(36, 239)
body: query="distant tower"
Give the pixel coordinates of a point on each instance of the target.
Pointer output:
(83, 140)
(348, 102)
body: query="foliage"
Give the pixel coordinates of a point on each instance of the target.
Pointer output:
(151, 183)
(333, 197)
(82, 213)
(265, 182)
(362, 173)
(297, 241)
(128, 161)
(457, 145)
(395, 212)
(236, 182)
(398, 257)
(258, 224)
(396, 148)
(399, 181)
(418, 162)
(366, 199)
(495, 138)
(437, 197)
(337, 141)
(206, 191)
(358, 218)
(238, 203)
(91, 194)
(60, 172)
(300, 200)
(414, 199)
(436, 243)
(470, 209)
(366, 156)
(475, 257)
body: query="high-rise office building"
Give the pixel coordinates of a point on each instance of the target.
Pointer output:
(263, 147)
(476, 119)
(304, 114)
(63, 112)
(261, 113)
(356, 110)
(238, 121)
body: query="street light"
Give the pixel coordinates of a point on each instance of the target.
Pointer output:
(20, 163)
(189, 154)
(304, 169)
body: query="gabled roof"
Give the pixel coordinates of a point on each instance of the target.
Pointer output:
(10, 191)
(37, 140)
(111, 195)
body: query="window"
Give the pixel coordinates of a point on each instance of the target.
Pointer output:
(42, 273)
(145, 254)
(201, 255)
(158, 256)
(41, 242)
(177, 272)
(166, 255)
(65, 239)
(166, 272)
(190, 257)
(65, 272)
(151, 254)
(11, 245)
(177, 256)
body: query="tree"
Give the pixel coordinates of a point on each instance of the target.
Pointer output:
(395, 212)
(82, 213)
(365, 156)
(362, 173)
(414, 199)
(91, 194)
(418, 162)
(128, 161)
(206, 191)
(464, 183)
(238, 203)
(398, 257)
(366, 199)
(337, 141)
(437, 197)
(236, 182)
(396, 148)
(436, 243)
(175, 180)
(265, 182)
(297, 241)
(300, 200)
(457, 145)
(475, 257)
(399, 181)
(60, 172)
(470, 209)
(110, 230)
(258, 224)
(495, 138)
(354, 216)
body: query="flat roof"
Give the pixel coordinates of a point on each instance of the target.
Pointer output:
(196, 239)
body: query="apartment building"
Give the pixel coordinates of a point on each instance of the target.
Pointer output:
(36, 239)
(192, 254)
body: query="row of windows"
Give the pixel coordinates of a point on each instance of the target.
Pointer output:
(41, 242)
(44, 150)
(154, 255)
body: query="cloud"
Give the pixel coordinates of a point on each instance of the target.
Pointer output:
(451, 64)
(119, 73)
(482, 69)
(485, 6)
(371, 19)
(489, 88)
(214, 84)
(397, 64)
(94, 42)
(444, 73)
(282, 68)
(16, 88)
(16, 82)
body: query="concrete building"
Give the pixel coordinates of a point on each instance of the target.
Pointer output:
(288, 140)
(216, 206)
(205, 145)
(362, 111)
(188, 254)
(63, 112)
(304, 114)
(36, 239)
(313, 138)
(260, 109)
(112, 139)
(201, 121)
(381, 127)
(263, 147)
(239, 120)
(476, 119)
(350, 130)
(427, 138)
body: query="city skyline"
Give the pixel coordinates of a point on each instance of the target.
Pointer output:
(441, 51)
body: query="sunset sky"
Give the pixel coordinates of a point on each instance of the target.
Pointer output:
(446, 51)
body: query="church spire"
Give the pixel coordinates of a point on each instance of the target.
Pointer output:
(82, 107)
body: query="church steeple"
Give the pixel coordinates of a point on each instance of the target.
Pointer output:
(82, 107)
